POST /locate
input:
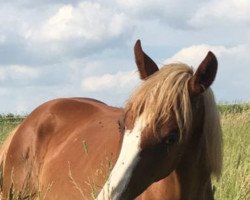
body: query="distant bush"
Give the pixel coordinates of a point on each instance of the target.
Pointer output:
(11, 117)
(233, 108)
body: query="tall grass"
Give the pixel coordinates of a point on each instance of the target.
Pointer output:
(235, 180)
(7, 124)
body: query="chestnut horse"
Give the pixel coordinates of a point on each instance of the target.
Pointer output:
(165, 144)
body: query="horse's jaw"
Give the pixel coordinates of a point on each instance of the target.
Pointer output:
(117, 183)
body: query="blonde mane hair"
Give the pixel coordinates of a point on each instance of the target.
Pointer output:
(166, 93)
(212, 133)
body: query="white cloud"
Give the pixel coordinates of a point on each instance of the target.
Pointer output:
(140, 5)
(2, 74)
(174, 13)
(222, 12)
(87, 20)
(120, 80)
(2, 39)
(3, 91)
(193, 55)
(232, 81)
(18, 72)
(84, 67)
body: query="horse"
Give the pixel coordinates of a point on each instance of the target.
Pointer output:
(165, 144)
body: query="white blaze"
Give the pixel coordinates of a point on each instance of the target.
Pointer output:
(127, 160)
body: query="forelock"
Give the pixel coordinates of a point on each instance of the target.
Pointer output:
(162, 94)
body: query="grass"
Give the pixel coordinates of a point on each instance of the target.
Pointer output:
(7, 123)
(235, 180)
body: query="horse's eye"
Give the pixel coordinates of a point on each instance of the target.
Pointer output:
(172, 138)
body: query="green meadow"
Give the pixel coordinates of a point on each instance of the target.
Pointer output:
(234, 183)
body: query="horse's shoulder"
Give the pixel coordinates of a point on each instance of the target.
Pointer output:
(60, 118)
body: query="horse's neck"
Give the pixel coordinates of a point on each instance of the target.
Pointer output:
(193, 173)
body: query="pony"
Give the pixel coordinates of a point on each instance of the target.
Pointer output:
(165, 144)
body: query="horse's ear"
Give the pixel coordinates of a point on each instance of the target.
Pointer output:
(145, 64)
(204, 75)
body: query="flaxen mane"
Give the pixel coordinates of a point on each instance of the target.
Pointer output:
(162, 93)
(212, 133)
(166, 92)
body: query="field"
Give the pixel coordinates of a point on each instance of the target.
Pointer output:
(235, 180)
(234, 183)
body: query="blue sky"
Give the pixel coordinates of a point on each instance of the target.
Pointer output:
(51, 49)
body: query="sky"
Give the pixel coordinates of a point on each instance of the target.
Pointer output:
(51, 49)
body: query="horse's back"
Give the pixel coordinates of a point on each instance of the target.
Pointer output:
(58, 149)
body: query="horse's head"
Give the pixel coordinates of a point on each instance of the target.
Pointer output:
(162, 116)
